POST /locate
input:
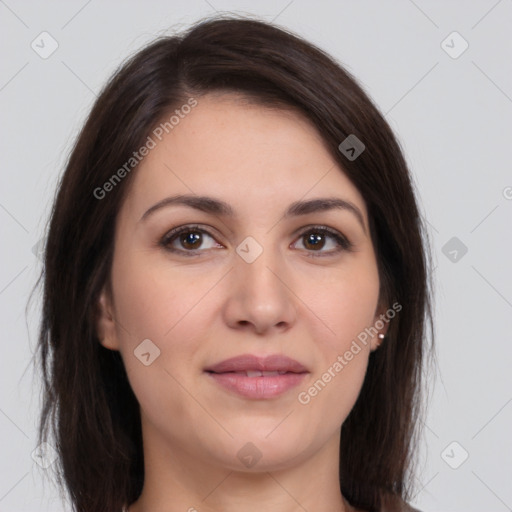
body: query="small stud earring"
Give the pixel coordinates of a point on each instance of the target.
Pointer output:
(381, 337)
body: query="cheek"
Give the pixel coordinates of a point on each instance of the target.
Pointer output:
(151, 297)
(345, 303)
(154, 304)
(159, 380)
(345, 307)
(331, 395)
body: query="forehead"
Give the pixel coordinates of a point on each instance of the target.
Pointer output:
(235, 128)
(229, 146)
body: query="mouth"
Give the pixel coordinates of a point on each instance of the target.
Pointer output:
(256, 377)
(256, 373)
(251, 363)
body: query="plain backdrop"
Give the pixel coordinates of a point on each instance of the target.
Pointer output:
(448, 98)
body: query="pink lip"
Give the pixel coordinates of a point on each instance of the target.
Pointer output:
(231, 375)
(274, 362)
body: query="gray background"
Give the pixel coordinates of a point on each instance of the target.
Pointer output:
(452, 116)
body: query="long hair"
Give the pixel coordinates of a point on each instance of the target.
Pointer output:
(88, 405)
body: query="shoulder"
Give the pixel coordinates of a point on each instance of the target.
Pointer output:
(395, 504)
(408, 508)
(400, 506)
(403, 507)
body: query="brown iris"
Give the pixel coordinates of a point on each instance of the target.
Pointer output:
(317, 241)
(191, 239)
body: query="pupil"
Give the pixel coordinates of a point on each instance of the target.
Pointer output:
(315, 240)
(189, 239)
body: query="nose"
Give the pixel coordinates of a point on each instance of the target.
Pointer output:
(260, 298)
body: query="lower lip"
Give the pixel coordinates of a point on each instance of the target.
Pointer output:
(258, 387)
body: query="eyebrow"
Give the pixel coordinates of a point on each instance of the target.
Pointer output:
(217, 207)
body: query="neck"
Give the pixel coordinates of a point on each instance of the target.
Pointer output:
(177, 481)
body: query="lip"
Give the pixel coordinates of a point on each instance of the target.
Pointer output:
(240, 375)
(270, 363)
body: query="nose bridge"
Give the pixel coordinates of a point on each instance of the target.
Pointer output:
(257, 265)
(258, 293)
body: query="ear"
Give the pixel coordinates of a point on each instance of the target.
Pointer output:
(381, 324)
(105, 323)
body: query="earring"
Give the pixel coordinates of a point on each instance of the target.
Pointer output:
(381, 337)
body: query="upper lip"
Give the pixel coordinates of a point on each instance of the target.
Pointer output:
(249, 362)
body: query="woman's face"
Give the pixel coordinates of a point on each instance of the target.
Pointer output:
(255, 278)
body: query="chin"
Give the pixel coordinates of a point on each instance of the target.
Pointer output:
(255, 451)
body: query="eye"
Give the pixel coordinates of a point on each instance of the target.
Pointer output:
(316, 238)
(187, 239)
(190, 240)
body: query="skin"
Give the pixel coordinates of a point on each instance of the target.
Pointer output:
(199, 310)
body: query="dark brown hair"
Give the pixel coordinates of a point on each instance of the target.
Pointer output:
(88, 404)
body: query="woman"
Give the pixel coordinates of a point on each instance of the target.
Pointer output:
(236, 291)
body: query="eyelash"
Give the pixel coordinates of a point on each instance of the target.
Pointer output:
(343, 243)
